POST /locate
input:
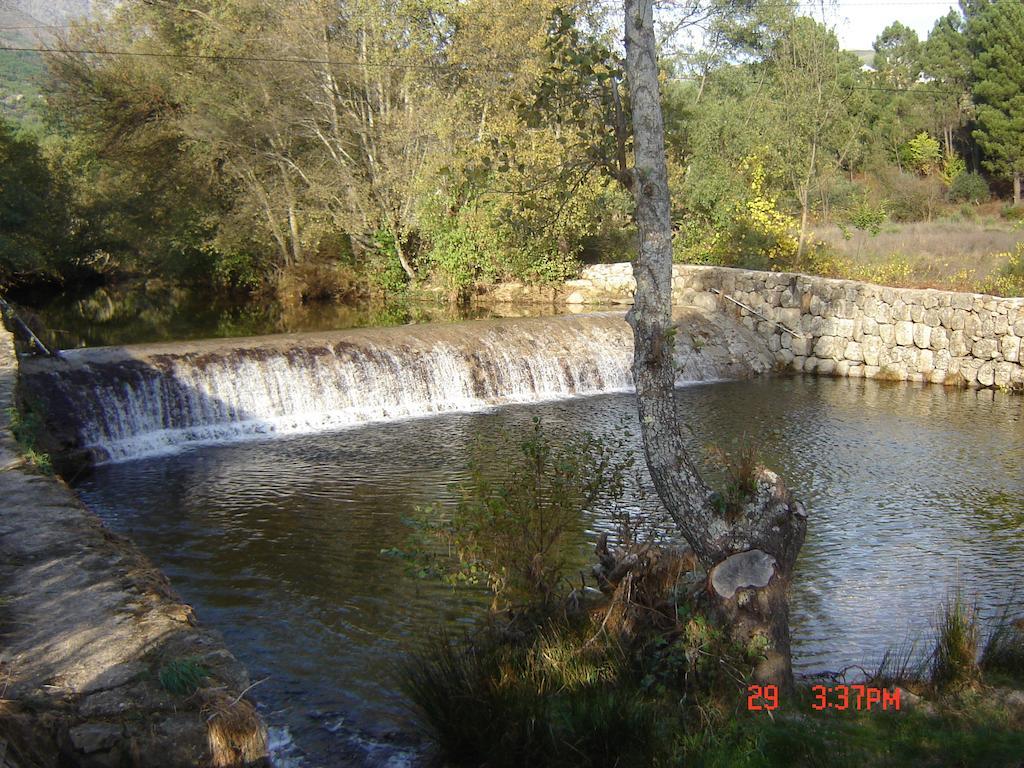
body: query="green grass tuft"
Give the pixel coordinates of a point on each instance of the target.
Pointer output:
(954, 662)
(183, 676)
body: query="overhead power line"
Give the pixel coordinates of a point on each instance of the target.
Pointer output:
(397, 65)
(491, 14)
(263, 59)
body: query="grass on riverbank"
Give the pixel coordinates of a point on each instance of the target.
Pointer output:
(25, 427)
(565, 693)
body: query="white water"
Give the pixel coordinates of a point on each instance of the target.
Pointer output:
(119, 403)
(145, 401)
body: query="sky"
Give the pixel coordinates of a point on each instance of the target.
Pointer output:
(859, 22)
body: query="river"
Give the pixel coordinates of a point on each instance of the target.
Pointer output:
(912, 491)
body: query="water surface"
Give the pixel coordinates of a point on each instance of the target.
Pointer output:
(911, 490)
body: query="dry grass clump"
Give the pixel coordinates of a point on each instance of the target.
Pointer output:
(235, 733)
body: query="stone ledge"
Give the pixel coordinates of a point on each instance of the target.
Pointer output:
(88, 622)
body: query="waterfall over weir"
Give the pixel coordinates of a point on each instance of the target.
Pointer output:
(114, 403)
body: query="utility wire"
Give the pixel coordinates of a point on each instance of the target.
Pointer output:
(263, 59)
(499, 14)
(397, 65)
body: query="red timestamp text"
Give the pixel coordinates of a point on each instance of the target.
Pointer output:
(765, 698)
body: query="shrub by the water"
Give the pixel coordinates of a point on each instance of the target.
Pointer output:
(638, 673)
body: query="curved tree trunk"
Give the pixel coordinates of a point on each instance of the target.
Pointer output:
(749, 559)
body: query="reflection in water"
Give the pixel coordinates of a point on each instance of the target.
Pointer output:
(140, 313)
(911, 490)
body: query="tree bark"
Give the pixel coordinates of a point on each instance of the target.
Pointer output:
(749, 560)
(1016, 188)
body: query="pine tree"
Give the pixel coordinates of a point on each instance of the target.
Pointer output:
(996, 35)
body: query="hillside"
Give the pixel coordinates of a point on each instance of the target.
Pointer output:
(49, 11)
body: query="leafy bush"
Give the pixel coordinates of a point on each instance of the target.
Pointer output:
(910, 197)
(969, 188)
(741, 230)
(512, 537)
(383, 269)
(866, 215)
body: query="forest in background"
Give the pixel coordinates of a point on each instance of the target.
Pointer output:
(325, 150)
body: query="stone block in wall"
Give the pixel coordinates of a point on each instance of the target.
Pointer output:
(969, 369)
(826, 367)
(943, 359)
(786, 340)
(904, 333)
(853, 351)
(785, 358)
(987, 374)
(958, 344)
(1000, 326)
(917, 313)
(937, 377)
(883, 313)
(708, 301)
(801, 345)
(985, 349)
(929, 300)
(963, 301)
(817, 306)
(900, 311)
(842, 369)
(925, 361)
(922, 335)
(790, 299)
(1009, 346)
(946, 317)
(812, 324)
(843, 327)
(789, 317)
(959, 319)
(827, 346)
(887, 333)
(1004, 374)
(940, 338)
(870, 349)
(988, 326)
(774, 343)
(932, 318)
(798, 362)
(1018, 327)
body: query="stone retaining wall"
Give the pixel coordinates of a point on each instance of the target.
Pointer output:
(841, 327)
(87, 628)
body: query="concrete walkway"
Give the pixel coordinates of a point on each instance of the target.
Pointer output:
(86, 626)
